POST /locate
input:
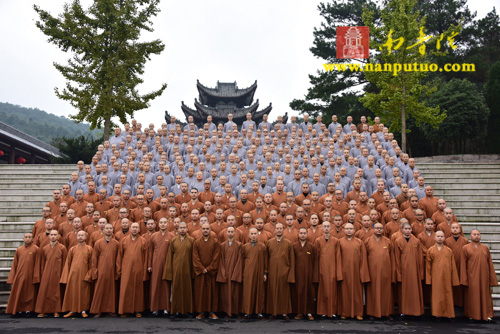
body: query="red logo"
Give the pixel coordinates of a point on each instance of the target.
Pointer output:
(353, 42)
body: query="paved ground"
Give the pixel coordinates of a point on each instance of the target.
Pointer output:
(10, 325)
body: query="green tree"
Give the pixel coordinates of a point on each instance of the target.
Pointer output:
(75, 149)
(108, 57)
(400, 95)
(492, 94)
(334, 92)
(466, 117)
(484, 47)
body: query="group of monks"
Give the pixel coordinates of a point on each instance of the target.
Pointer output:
(180, 248)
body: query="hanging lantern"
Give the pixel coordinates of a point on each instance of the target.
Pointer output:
(2, 153)
(20, 160)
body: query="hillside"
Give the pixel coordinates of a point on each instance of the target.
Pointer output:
(41, 124)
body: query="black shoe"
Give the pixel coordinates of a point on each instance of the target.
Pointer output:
(174, 316)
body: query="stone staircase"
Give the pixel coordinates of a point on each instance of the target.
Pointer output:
(24, 190)
(471, 190)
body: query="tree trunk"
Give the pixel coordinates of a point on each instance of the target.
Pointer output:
(107, 128)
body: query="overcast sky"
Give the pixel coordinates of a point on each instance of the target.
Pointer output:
(242, 41)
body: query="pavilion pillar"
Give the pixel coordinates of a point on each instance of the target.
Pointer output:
(12, 155)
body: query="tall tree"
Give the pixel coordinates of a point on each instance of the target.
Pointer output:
(467, 114)
(108, 57)
(492, 94)
(334, 92)
(402, 40)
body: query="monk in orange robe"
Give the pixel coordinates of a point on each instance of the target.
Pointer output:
(158, 251)
(379, 299)
(409, 258)
(281, 270)
(77, 277)
(478, 275)
(303, 292)
(179, 271)
(23, 293)
(441, 274)
(131, 267)
(104, 273)
(230, 274)
(50, 264)
(206, 253)
(254, 276)
(354, 272)
(328, 271)
(456, 242)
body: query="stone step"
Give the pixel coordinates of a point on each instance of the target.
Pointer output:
(18, 234)
(8, 252)
(5, 203)
(473, 197)
(26, 210)
(16, 226)
(481, 226)
(473, 210)
(25, 183)
(466, 186)
(443, 192)
(11, 243)
(4, 298)
(465, 174)
(28, 197)
(36, 166)
(462, 202)
(28, 186)
(46, 191)
(455, 165)
(4, 274)
(478, 217)
(49, 174)
(14, 218)
(6, 262)
(493, 245)
(467, 181)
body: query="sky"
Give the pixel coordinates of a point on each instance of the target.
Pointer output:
(210, 41)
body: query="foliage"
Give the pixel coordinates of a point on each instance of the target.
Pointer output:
(75, 149)
(40, 124)
(400, 95)
(492, 94)
(331, 91)
(108, 57)
(466, 111)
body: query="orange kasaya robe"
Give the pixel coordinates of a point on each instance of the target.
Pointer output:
(281, 269)
(160, 289)
(23, 293)
(255, 265)
(478, 275)
(51, 261)
(77, 277)
(229, 277)
(179, 271)
(131, 267)
(441, 274)
(206, 253)
(379, 299)
(104, 275)
(355, 273)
